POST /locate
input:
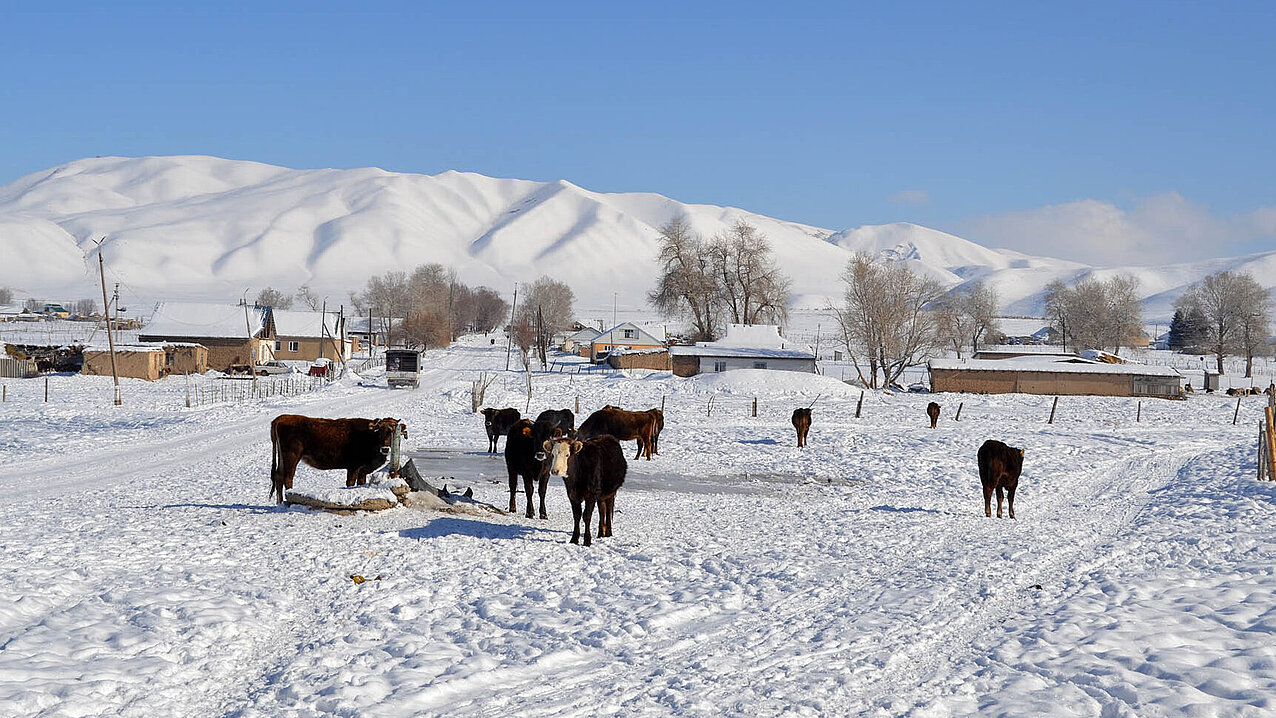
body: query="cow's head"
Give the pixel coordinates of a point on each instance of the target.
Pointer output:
(559, 451)
(488, 413)
(384, 429)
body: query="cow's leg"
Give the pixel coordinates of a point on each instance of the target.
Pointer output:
(589, 516)
(640, 447)
(576, 522)
(604, 516)
(527, 491)
(544, 483)
(513, 489)
(1010, 500)
(988, 500)
(999, 500)
(351, 474)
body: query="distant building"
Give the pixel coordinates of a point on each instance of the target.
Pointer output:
(234, 335)
(623, 336)
(1053, 376)
(581, 341)
(1012, 351)
(310, 335)
(745, 347)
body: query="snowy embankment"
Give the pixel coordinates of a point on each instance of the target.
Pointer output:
(147, 573)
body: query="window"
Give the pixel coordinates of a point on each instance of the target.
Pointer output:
(719, 366)
(759, 365)
(292, 346)
(278, 345)
(631, 334)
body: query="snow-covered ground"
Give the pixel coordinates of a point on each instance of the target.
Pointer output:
(147, 573)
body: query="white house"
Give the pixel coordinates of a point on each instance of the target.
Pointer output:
(757, 346)
(627, 336)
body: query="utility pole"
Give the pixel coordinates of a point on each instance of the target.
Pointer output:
(252, 350)
(323, 326)
(613, 310)
(509, 340)
(106, 310)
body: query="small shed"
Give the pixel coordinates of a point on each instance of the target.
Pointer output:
(1053, 376)
(580, 341)
(133, 361)
(658, 359)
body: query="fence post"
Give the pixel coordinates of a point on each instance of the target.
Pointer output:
(860, 404)
(4, 392)
(1052, 408)
(755, 407)
(1237, 413)
(1138, 416)
(46, 390)
(959, 405)
(578, 405)
(662, 404)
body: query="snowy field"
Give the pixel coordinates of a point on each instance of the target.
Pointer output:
(147, 573)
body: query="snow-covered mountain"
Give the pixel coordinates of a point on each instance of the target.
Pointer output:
(209, 228)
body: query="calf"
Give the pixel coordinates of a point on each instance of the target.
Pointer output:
(359, 446)
(802, 422)
(999, 467)
(592, 471)
(624, 425)
(932, 410)
(498, 422)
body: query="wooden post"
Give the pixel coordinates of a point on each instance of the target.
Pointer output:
(46, 390)
(959, 405)
(1138, 416)
(860, 404)
(755, 407)
(1052, 408)
(1237, 413)
(662, 405)
(578, 404)
(1262, 455)
(709, 409)
(4, 392)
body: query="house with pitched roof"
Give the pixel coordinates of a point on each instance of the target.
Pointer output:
(310, 335)
(624, 336)
(746, 346)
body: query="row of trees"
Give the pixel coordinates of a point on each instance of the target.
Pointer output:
(1227, 313)
(731, 277)
(435, 306)
(1095, 314)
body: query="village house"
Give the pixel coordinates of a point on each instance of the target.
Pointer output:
(1055, 375)
(623, 336)
(147, 361)
(311, 335)
(745, 346)
(235, 336)
(581, 341)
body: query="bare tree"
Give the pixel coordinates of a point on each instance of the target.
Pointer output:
(84, 307)
(426, 329)
(490, 309)
(686, 288)
(752, 287)
(307, 297)
(385, 296)
(6, 295)
(886, 318)
(1096, 314)
(1237, 312)
(968, 316)
(546, 308)
(269, 297)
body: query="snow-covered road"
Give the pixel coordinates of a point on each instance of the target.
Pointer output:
(147, 573)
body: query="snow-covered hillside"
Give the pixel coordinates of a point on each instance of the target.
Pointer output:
(207, 228)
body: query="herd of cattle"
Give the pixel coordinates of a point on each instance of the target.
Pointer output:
(589, 459)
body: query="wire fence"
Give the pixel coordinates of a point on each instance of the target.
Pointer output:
(239, 391)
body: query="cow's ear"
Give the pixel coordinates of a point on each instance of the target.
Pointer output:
(576, 447)
(548, 446)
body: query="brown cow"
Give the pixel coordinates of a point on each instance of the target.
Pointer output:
(624, 425)
(498, 423)
(999, 467)
(592, 471)
(932, 410)
(802, 422)
(359, 446)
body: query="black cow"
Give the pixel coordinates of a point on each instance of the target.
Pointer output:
(498, 423)
(360, 446)
(802, 422)
(592, 471)
(558, 419)
(999, 467)
(524, 457)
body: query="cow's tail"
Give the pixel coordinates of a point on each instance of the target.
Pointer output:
(276, 486)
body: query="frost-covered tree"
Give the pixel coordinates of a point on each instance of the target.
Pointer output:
(886, 317)
(686, 288)
(1237, 312)
(270, 297)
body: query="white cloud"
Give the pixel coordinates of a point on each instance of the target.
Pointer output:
(911, 197)
(1160, 229)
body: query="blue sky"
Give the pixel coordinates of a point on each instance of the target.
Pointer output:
(1097, 131)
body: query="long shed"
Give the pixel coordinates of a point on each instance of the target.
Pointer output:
(1072, 376)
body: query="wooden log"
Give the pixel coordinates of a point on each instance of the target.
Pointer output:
(374, 504)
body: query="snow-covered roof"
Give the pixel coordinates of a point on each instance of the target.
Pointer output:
(305, 324)
(752, 335)
(1041, 349)
(1060, 365)
(588, 334)
(214, 321)
(717, 350)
